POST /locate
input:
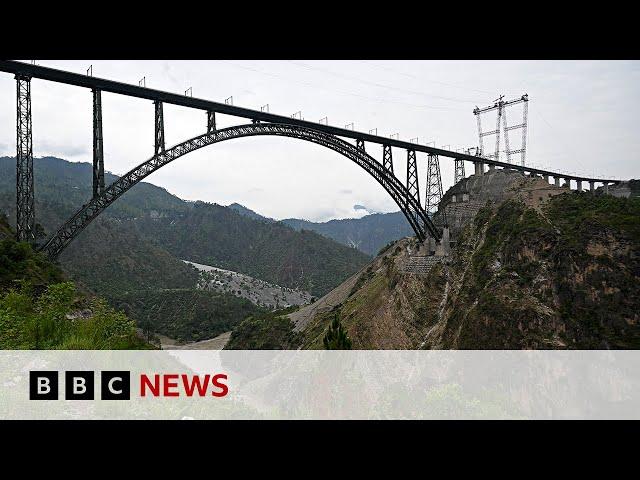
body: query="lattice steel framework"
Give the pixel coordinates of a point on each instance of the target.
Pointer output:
(413, 211)
(98, 152)
(25, 209)
(412, 176)
(387, 158)
(360, 144)
(434, 188)
(159, 143)
(500, 105)
(459, 172)
(211, 122)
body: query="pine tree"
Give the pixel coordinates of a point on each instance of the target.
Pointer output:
(336, 337)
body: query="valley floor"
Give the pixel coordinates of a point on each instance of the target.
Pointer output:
(216, 343)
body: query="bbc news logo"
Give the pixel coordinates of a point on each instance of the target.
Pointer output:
(116, 385)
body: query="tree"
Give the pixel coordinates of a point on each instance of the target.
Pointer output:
(336, 337)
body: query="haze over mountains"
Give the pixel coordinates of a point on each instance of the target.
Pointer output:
(368, 234)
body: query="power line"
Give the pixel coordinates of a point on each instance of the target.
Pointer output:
(375, 65)
(380, 85)
(341, 92)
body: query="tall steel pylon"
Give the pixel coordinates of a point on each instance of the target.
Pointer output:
(98, 152)
(434, 188)
(25, 210)
(159, 143)
(387, 158)
(412, 175)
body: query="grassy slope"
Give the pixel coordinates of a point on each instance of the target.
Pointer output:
(37, 306)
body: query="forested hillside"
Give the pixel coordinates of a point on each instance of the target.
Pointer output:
(136, 246)
(368, 234)
(41, 309)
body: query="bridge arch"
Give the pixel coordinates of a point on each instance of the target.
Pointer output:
(415, 214)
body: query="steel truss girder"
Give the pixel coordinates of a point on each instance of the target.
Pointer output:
(412, 209)
(360, 144)
(387, 158)
(159, 142)
(25, 205)
(98, 152)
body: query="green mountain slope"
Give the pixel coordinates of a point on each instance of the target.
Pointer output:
(564, 276)
(136, 245)
(41, 309)
(216, 235)
(368, 234)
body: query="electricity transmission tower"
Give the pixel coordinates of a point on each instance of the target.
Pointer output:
(500, 105)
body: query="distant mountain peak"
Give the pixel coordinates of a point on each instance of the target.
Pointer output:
(247, 212)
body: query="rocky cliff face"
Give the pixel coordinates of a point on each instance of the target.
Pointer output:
(534, 267)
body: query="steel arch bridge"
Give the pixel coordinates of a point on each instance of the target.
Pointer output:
(415, 214)
(406, 195)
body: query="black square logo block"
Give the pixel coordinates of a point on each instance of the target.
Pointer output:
(78, 385)
(115, 385)
(43, 385)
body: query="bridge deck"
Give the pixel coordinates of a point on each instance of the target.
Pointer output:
(80, 80)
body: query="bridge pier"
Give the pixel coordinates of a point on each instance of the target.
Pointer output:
(433, 194)
(546, 178)
(159, 143)
(606, 188)
(479, 168)
(556, 180)
(412, 176)
(98, 152)
(387, 158)
(25, 209)
(579, 185)
(459, 170)
(211, 122)
(592, 186)
(492, 167)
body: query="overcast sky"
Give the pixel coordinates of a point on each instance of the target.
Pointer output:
(583, 118)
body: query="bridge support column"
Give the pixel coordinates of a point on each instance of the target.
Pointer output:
(479, 168)
(25, 210)
(492, 167)
(459, 171)
(98, 155)
(606, 188)
(579, 185)
(556, 181)
(434, 188)
(546, 178)
(211, 122)
(592, 186)
(159, 144)
(387, 159)
(412, 176)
